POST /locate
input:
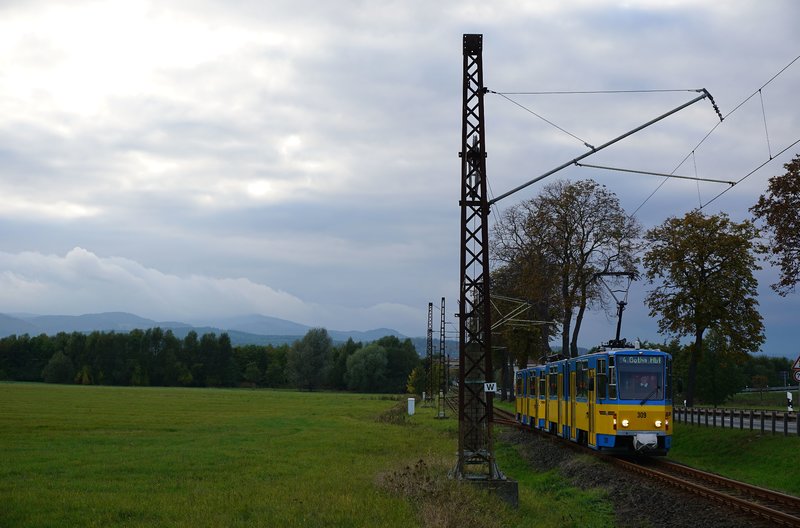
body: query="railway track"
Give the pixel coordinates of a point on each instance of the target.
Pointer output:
(775, 507)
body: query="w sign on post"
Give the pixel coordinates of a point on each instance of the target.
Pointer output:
(490, 387)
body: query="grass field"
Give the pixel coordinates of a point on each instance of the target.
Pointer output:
(113, 456)
(775, 400)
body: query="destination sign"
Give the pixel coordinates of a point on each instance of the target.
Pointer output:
(640, 360)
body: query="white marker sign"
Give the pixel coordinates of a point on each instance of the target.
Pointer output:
(490, 387)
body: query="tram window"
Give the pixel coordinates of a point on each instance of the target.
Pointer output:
(582, 379)
(553, 384)
(519, 387)
(641, 377)
(612, 379)
(602, 379)
(541, 386)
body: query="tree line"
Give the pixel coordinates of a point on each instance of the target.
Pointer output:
(156, 357)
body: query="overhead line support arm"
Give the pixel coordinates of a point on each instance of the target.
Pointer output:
(617, 139)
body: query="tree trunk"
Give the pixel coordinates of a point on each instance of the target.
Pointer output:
(566, 317)
(573, 349)
(565, 327)
(543, 314)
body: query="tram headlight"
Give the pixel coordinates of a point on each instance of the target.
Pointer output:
(625, 422)
(658, 423)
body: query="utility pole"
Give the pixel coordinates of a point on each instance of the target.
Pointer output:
(429, 380)
(476, 458)
(443, 365)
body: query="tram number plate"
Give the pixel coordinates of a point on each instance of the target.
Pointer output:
(641, 415)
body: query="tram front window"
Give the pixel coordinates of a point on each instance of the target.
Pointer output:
(641, 377)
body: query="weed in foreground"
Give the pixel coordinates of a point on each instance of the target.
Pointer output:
(397, 415)
(442, 502)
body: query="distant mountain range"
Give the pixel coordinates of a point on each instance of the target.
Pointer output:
(251, 329)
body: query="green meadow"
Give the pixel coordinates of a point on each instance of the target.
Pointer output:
(773, 400)
(115, 456)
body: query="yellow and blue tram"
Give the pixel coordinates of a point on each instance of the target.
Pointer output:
(617, 400)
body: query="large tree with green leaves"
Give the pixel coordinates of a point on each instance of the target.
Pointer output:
(336, 374)
(558, 242)
(309, 359)
(401, 359)
(702, 269)
(367, 369)
(779, 208)
(720, 371)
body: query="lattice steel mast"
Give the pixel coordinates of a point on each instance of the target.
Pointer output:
(476, 458)
(443, 366)
(429, 381)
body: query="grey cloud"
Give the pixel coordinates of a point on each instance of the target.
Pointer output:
(313, 150)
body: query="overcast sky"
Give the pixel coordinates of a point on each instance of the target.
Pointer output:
(184, 160)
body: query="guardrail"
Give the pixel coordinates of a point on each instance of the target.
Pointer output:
(766, 421)
(786, 388)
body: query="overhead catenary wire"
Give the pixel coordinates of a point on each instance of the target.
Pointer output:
(694, 161)
(504, 96)
(592, 92)
(691, 152)
(714, 128)
(740, 180)
(705, 94)
(617, 169)
(766, 129)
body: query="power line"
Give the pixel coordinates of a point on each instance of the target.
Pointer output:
(591, 92)
(504, 96)
(691, 153)
(763, 86)
(654, 173)
(750, 173)
(704, 95)
(766, 130)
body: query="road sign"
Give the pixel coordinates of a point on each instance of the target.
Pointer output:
(490, 387)
(796, 365)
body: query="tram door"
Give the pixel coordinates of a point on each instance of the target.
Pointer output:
(592, 391)
(572, 429)
(529, 404)
(561, 403)
(547, 400)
